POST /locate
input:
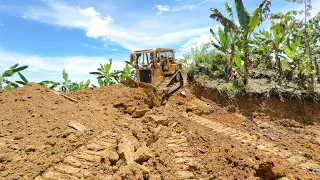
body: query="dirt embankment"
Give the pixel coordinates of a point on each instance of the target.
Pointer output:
(284, 105)
(114, 132)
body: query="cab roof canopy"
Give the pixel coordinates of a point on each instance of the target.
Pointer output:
(151, 50)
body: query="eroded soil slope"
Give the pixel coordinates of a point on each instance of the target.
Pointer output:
(115, 133)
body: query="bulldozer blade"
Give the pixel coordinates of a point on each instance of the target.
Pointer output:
(163, 91)
(130, 82)
(175, 83)
(147, 88)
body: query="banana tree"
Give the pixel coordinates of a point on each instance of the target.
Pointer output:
(286, 26)
(314, 40)
(295, 51)
(260, 48)
(49, 84)
(105, 76)
(121, 75)
(9, 73)
(225, 41)
(222, 43)
(80, 86)
(24, 81)
(247, 22)
(66, 85)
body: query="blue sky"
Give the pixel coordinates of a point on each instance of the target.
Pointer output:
(49, 35)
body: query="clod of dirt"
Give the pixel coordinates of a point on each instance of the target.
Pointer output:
(231, 109)
(270, 170)
(155, 177)
(155, 135)
(156, 119)
(110, 155)
(134, 171)
(141, 112)
(126, 150)
(186, 174)
(77, 126)
(130, 110)
(142, 154)
(30, 149)
(18, 137)
(120, 106)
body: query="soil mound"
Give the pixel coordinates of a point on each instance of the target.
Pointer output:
(115, 95)
(37, 125)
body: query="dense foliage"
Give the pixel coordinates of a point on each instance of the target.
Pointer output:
(290, 47)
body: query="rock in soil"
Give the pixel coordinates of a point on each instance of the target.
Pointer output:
(142, 154)
(139, 113)
(77, 126)
(126, 150)
(270, 170)
(156, 119)
(130, 109)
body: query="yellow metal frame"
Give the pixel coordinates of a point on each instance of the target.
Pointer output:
(157, 72)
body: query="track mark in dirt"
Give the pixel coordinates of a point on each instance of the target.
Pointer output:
(265, 146)
(79, 163)
(185, 161)
(178, 144)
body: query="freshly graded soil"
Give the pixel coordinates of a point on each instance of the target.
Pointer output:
(115, 132)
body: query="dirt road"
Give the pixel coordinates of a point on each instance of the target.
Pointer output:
(115, 133)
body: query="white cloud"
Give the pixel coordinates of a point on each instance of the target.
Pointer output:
(162, 8)
(90, 12)
(91, 46)
(140, 35)
(75, 17)
(44, 68)
(195, 42)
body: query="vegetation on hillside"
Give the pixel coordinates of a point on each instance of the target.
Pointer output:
(290, 47)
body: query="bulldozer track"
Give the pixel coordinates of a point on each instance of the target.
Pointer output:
(295, 159)
(78, 164)
(185, 161)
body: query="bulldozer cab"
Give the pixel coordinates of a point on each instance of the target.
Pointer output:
(154, 65)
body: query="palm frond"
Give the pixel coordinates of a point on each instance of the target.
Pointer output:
(243, 15)
(225, 21)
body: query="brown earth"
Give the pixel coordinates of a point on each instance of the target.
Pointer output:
(114, 133)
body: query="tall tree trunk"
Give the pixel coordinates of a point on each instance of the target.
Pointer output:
(268, 62)
(1, 80)
(232, 55)
(226, 70)
(311, 83)
(316, 65)
(231, 62)
(278, 64)
(246, 60)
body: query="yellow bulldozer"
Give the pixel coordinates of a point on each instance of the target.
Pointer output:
(157, 72)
